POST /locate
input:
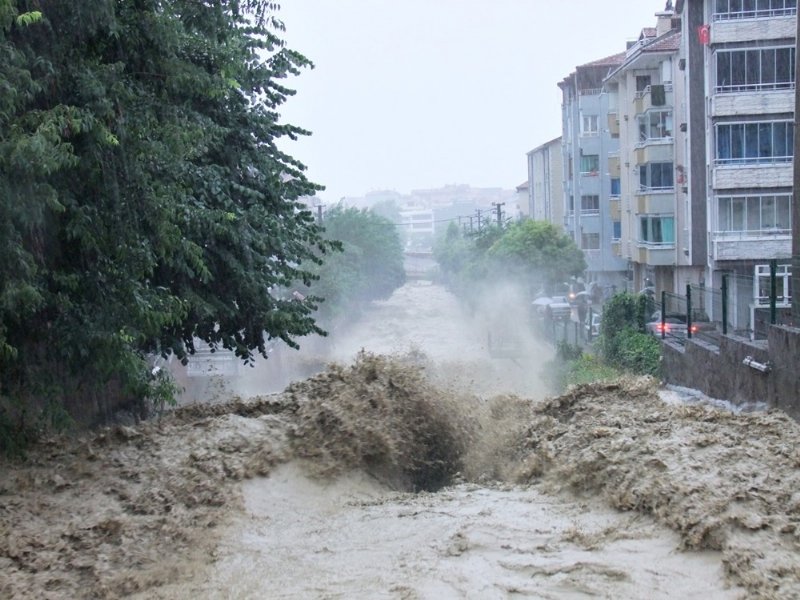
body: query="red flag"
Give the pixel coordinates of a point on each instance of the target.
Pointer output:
(704, 34)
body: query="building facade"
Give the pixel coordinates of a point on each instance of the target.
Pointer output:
(545, 183)
(648, 112)
(588, 186)
(741, 53)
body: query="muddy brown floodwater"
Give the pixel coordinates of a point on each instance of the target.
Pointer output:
(437, 472)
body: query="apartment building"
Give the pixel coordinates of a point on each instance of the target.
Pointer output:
(739, 65)
(587, 184)
(546, 183)
(648, 111)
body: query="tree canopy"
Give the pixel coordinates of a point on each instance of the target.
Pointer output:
(538, 252)
(534, 254)
(370, 266)
(144, 201)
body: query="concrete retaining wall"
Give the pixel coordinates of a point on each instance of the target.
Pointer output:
(720, 373)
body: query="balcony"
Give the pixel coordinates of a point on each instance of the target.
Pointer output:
(613, 164)
(744, 27)
(614, 209)
(646, 99)
(655, 202)
(751, 245)
(752, 102)
(613, 124)
(654, 150)
(731, 175)
(655, 254)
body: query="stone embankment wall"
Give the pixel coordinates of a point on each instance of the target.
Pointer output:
(720, 372)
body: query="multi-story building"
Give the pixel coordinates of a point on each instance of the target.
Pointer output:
(739, 61)
(588, 186)
(648, 111)
(546, 183)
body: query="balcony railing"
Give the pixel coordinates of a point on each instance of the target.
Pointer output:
(754, 87)
(754, 14)
(759, 160)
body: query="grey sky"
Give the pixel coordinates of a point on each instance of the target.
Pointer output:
(424, 93)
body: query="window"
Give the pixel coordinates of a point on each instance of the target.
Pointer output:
(783, 284)
(616, 233)
(655, 125)
(657, 230)
(755, 214)
(589, 125)
(590, 164)
(590, 204)
(642, 82)
(615, 186)
(753, 9)
(590, 241)
(755, 142)
(656, 176)
(764, 69)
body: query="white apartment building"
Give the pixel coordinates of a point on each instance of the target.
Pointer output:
(588, 185)
(739, 64)
(545, 183)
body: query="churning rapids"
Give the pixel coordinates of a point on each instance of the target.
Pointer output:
(416, 466)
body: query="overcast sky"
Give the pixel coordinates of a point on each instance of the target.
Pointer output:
(423, 93)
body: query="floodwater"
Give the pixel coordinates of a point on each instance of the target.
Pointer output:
(356, 537)
(440, 472)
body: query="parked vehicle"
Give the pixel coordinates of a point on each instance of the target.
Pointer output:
(674, 325)
(594, 326)
(559, 309)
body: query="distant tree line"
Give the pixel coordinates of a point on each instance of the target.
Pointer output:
(369, 267)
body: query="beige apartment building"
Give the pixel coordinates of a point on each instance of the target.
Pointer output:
(648, 113)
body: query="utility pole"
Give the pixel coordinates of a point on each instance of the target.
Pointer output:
(479, 220)
(497, 205)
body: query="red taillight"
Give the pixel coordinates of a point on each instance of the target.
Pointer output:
(662, 327)
(694, 328)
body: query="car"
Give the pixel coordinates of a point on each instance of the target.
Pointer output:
(594, 328)
(670, 327)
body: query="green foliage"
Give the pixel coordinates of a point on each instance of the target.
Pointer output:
(369, 266)
(538, 253)
(143, 200)
(566, 351)
(638, 353)
(533, 253)
(622, 341)
(588, 368)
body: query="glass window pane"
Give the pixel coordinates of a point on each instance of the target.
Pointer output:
(737, 140)
(783, 65)
(723, 214)
(723, 69)
(753, 213)
(783, 212)
(753, 68)
(768, 67)
(765, 140)
(751, 140)
(738, 67)
(767, 212)
(781, 146)
(723, 142)
(737, 214)
(668, 230)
